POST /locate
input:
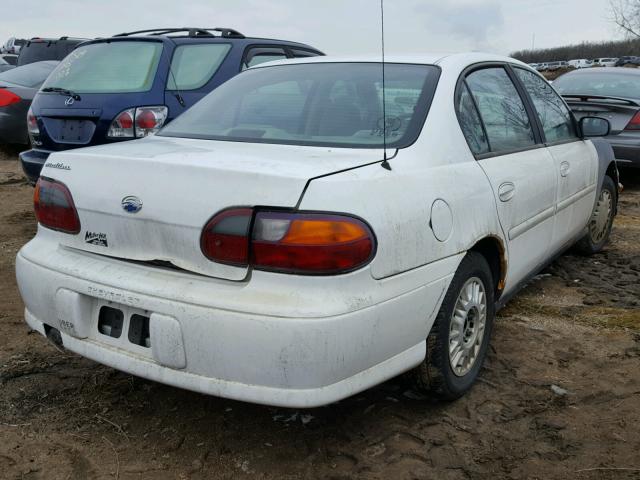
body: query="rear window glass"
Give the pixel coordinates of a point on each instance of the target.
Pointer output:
(606, 84)
(31, 75)
(39, 50)
(332, 104)
(108, 67)
(194, 65)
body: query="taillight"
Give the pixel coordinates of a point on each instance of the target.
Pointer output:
(122, 125)
(54, 206)
(7, 98)
(32, 128)
(225, 239)
(138, 122)
(149, 120)
(634, 124)
(289, 242)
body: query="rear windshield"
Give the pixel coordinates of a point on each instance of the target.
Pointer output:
(328, 104)
(31, 75)
(39, 50)
(108, 67)
(606, 84)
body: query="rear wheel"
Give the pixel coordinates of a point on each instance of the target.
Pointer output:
(601, 221)
(458, 341)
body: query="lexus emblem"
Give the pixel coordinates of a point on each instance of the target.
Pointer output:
(69, 101)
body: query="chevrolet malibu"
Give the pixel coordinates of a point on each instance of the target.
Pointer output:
(313, 228)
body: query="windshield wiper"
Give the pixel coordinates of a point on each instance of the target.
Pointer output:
(62, 91)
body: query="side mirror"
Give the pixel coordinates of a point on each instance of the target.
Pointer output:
(594, 127)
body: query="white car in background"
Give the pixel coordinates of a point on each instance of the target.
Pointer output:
(580, 63)
(605, 62)
(289, 241)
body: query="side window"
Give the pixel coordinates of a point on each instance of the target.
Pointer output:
(192, 66)
(502, 110)
(553, 114)
(297, 53)
(256, 56)
(470, 121)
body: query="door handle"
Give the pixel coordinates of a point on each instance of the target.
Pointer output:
(564, 169)
(506, 191)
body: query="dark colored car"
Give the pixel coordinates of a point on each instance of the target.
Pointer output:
(17, 89)
(10, 58)
(39, 49)
(627, 60)
(611, 93)
(4, 65)
(130, 85)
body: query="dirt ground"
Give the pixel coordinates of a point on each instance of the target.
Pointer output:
(559, 397)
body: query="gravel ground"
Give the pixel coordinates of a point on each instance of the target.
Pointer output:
(559, 397)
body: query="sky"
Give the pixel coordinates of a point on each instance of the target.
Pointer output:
(337, 27)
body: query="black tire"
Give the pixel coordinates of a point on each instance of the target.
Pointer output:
(435, 374)
(590, 244)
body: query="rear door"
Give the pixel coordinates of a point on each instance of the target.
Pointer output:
(575, 160)
(520, 169)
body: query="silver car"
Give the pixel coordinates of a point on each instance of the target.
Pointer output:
(612, 93)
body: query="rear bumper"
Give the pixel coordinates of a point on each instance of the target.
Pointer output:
(627, 155)
(32, 162)
(264, 341)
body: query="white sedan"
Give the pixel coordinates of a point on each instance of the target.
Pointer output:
(290, 240)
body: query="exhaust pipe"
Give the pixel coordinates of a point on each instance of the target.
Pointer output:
(54, 336)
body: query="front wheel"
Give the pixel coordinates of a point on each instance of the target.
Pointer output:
(459, 338)
(601, 221)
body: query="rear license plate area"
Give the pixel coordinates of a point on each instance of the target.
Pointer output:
(123, 327)
(73, 131)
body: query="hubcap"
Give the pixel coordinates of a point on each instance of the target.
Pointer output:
(467, 326)
(599, 224)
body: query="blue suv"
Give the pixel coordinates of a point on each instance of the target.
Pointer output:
(130, 85)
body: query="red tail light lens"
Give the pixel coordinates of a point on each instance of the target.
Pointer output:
(7, 98)
(54, 206)
(149, 120)
(287, 242)
(225, 239)
(122, 125)
(634, 124)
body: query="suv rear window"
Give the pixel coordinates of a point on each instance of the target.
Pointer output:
(328, 104)
(37, 50)
(30, 75)
(193, 66)
(108, 67)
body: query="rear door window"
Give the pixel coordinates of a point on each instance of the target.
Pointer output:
(298, 53)
(258, 55)
(556, 120)
(108, 67)
(193, 66)
(502, 110)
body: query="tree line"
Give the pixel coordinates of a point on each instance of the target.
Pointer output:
(588, 50)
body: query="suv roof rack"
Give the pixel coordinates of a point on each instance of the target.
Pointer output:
(191, 32)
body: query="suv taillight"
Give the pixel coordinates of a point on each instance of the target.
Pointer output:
(634, 123)
(306, 243)
(138, 122)
(32, 128)
(54, 206)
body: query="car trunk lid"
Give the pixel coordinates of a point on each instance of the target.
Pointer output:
(618, 111)
(181, 184)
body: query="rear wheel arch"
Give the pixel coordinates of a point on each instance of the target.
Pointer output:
(493, 250)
